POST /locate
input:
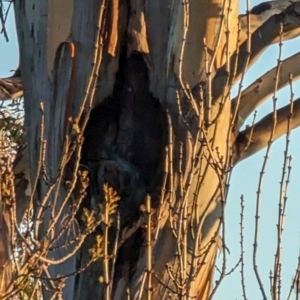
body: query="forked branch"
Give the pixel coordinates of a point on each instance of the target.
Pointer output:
(260, 13)
(263, 37)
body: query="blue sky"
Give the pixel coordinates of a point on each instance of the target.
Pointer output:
(9, 51)
(244, 181)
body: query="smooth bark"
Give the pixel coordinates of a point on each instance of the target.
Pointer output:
(262, 88)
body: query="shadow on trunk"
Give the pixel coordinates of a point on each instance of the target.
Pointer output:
(124, 146)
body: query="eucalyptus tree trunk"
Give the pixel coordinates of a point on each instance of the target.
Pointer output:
(136, 94)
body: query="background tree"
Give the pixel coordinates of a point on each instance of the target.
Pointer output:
(136, 95)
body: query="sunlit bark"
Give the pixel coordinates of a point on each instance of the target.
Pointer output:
(151, 80)
(262, 88)
(256, 137)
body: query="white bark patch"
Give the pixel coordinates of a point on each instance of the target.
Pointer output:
(59, 26)
(204, 20)
(138, 33)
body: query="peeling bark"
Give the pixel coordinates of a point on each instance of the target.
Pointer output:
(42, 27)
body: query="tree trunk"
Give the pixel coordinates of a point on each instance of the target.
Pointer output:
(139, 92)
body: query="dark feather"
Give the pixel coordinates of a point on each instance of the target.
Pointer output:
(260, 8)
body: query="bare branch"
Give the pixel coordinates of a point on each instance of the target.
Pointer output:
(11, 87)
(261, 89)
(264, 36)
(248, 145)
(260, 13)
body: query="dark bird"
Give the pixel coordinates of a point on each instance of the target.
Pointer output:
(260, 13)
